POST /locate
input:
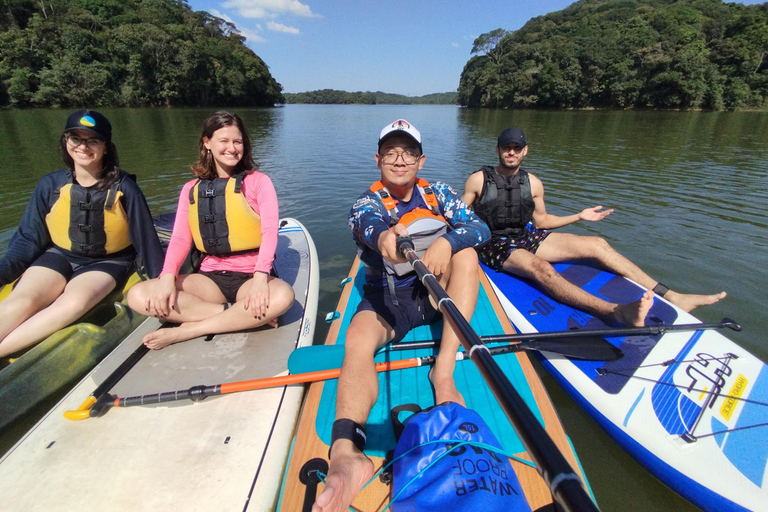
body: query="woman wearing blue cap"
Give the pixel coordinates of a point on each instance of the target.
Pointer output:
(78, 239)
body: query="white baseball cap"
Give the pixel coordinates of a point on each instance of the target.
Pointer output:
(400, 127)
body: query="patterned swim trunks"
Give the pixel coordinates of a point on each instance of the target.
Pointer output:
(495, 251)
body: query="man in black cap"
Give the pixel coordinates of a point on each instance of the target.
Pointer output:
(511, 202)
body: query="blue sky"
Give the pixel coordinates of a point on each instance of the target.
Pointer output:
(412, 47)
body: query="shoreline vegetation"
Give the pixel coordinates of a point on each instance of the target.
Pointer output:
(687, 55)
(126, 53)
(620, 54)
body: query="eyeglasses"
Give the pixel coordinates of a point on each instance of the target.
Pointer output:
(409, 157)
(75, 141)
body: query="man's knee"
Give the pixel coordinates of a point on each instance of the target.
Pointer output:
(464, 260)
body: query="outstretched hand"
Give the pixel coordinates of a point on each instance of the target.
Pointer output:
(594, 214)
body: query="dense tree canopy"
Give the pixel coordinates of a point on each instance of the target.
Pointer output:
(334, 97)
(685, 54)
(125, 53)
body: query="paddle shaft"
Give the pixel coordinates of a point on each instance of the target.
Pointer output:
(197, 393)
(565, 485)
(101, 390)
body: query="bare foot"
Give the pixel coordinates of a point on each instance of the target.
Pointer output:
(350, 469)
(161, 338)
(445, 388)
(634, 313)
(690, 301)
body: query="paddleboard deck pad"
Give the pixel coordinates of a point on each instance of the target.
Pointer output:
(690, 406)
(412, 386)
(225, 453)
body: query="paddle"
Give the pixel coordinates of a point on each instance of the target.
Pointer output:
(565, 485)
(84, 411)
(324, 357)
(99, 403)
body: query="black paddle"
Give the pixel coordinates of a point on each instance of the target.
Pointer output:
(322, 357)
(84, 410)
(565, 485)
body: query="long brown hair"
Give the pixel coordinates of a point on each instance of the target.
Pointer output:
(205, 168)
(110, 163)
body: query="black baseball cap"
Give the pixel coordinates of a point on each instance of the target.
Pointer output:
(511, 135)
(91, 121)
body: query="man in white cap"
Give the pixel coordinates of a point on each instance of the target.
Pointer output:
(509, 199)
(445, 232)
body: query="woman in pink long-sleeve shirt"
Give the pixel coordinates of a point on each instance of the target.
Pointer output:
(234, 289)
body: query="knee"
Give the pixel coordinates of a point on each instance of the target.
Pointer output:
(137, 295)
(465, 260)
(541, 269)
(281, 295)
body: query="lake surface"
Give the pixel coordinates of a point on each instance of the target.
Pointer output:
(689, 190)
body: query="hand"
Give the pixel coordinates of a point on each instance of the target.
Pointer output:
(438, 256)
(162, 296)
(593, 214)
(257, 299)
(388, 244)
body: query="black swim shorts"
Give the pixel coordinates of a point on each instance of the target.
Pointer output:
(413, 309)
(228, 282)
(72, 265)
(497, 249)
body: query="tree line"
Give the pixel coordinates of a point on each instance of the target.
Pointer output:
(672, 54)
(334, 97)
(129, 53)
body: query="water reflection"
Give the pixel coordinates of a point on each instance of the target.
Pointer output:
(689, 189)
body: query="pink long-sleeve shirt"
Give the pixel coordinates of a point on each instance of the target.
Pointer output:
(260, 194)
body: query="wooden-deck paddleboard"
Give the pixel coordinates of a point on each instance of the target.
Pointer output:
(310, 446)
(225, 453)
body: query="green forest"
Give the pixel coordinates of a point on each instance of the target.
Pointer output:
(334, 97)
(686, 54)
(129, 53)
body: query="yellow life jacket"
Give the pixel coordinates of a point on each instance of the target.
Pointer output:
(221, 220)
(424, 225)
(88, 222)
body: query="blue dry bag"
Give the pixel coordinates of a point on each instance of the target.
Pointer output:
(467, 478)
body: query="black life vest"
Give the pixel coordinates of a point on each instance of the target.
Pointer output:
(220, 218)
(88, 222)
(505, 204)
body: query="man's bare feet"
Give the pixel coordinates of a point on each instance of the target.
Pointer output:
(690, 301)
(634, 313)
(349, 470)
(445, 388)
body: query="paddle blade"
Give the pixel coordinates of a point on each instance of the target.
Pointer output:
(82, 412)
(315, 358)
(588, 348)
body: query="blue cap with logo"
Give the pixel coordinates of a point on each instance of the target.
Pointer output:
(91, 121)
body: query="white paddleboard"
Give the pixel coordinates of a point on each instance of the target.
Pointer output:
(225, 453)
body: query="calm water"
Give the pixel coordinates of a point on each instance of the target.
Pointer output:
(689, 191)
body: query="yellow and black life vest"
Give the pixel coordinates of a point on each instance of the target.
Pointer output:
(424, 225)
(221, 220)
(88, 222)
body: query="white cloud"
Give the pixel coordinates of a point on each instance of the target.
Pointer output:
(269, 8)
(279, 27)
(251, 36)
(455, 45)
(221, 15)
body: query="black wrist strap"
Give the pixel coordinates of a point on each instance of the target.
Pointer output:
(348, 429)
(660, 289)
